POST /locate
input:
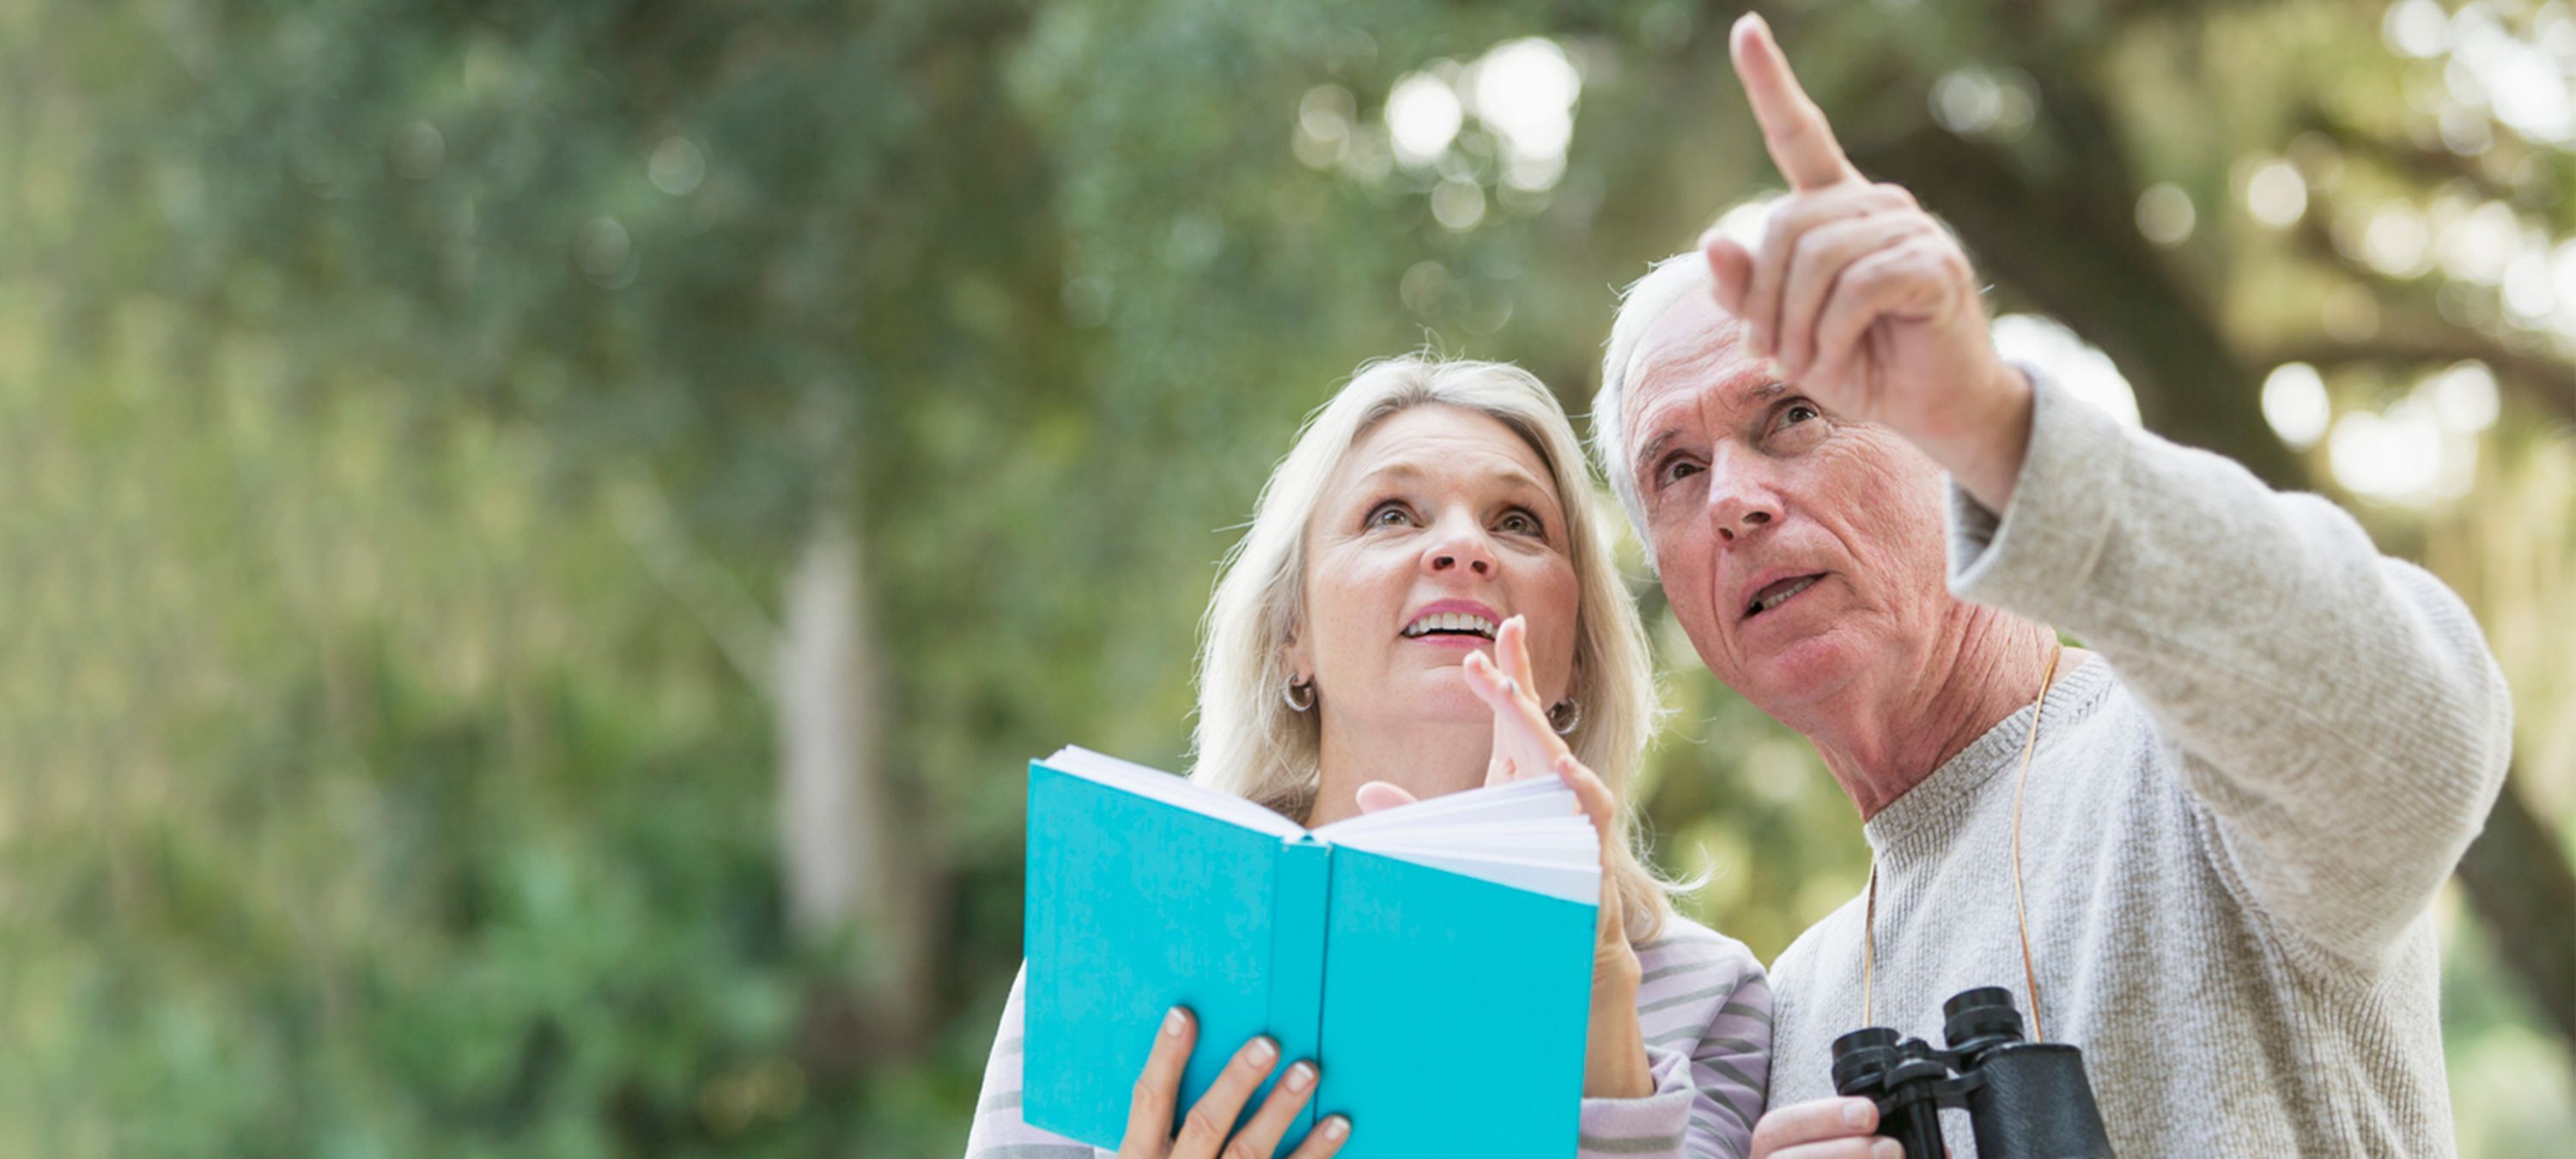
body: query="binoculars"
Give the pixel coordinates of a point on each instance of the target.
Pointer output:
(2025, 1100)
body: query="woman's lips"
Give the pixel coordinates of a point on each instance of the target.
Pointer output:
(1458, 641)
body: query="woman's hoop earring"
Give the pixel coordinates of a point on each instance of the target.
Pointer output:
(1565, 716)
(1290, 692)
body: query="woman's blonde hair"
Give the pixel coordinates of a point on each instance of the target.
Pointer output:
(1250, 744)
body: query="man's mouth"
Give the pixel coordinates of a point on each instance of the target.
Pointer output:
(1778, 593)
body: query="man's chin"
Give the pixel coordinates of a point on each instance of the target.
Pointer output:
(1797, 672)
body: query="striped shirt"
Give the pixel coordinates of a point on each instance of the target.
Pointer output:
(1704, 1007)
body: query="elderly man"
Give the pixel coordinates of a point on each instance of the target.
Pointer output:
(2212, 869)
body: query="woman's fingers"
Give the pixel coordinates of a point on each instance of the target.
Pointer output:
(1211, 1119)
(1260, 1134)
(1158, 1090)
(1326, 1139)
(1498, 690)
(1511, 651)
(1589, 792)
(1377, 795)
(1512, 709)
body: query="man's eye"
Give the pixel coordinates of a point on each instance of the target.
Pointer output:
(1675, 471)
(1794, 427)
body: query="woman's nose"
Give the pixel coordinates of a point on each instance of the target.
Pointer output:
(1459, 548)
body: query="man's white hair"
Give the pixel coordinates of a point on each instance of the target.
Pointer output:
(1640, 305)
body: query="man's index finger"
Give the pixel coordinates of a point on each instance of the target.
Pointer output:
(1793, 129)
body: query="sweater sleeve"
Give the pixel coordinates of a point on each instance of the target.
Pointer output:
(1705, 1007)
(2340, 719)
(999, 1132)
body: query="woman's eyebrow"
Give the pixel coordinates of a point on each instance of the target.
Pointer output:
(1391, 473)
(1409, 473)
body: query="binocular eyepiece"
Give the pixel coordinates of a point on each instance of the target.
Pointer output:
(2025, 1100)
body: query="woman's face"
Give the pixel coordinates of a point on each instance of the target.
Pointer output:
(1439, 524)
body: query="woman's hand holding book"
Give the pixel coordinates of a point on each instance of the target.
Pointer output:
(1205, 1133)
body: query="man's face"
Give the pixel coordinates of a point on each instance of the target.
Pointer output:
(1798, 550)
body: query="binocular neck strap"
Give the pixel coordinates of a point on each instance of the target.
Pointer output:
(2021, 916)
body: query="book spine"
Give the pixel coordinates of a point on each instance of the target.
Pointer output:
(1300, 904)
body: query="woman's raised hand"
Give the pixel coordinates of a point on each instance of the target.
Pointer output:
(1526, 744)
(1209, 1129)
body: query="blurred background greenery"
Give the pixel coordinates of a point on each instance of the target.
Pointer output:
(536, 538)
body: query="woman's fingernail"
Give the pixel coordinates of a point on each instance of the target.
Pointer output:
(1176, 1022)
(1887, 1149)
(1299, 1077)
(1261, 1051)
(1856, 1116)
(1336, 1127)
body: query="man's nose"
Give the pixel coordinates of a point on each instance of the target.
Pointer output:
(1459, 544)
(1741, 499)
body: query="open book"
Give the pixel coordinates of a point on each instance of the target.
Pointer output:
(1435, 960)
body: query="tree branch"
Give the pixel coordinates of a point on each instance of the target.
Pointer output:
(2414, 339)
(2548, 382)
(2518, 881)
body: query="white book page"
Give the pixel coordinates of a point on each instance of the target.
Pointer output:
(1562, 851)
(1157, 785)
(1527, 834)
(1580, 884)
(1528, 799)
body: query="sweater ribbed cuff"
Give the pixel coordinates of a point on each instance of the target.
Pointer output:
(1649, 1126)
(2033, 558)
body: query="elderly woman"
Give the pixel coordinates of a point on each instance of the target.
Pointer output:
(1447, 492)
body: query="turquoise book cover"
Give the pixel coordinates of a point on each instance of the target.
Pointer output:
(1434, 960)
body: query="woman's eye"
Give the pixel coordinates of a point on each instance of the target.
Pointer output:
(1389, 515)
(1518, 522)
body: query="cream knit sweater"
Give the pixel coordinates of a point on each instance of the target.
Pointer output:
(2239, 811)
